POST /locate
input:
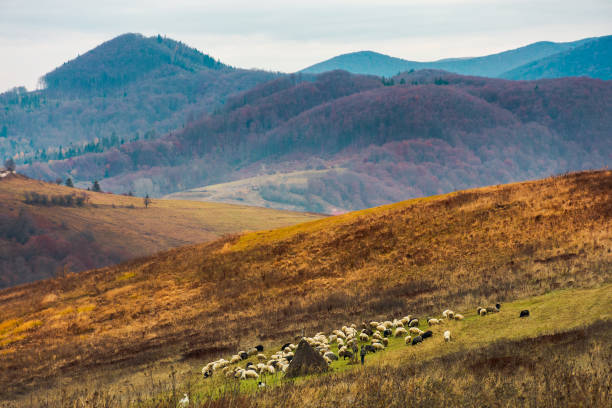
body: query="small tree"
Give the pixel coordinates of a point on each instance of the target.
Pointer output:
(147, 201)
(69, 182)
(96, 186)
(9, 164)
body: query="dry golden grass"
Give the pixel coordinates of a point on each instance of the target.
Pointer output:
(420, 256)
(121, 224)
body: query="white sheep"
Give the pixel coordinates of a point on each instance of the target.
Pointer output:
(400, 331)
(377, 335)
(413, 323)
(416, 331)
(381, 328)
(447, 336)
(261, 357)
(482, 312)
(235, 359)
(249, 374)
(364, 337)
(373, 325)
(433, 322)
(333, 338)
(252, 351)
(378, 346)
(458, 316)
(388, 324)
(407, 340)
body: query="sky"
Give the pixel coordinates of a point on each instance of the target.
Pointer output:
(283, 35)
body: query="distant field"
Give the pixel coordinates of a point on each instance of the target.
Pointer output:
(260, 191)
(119, 227)
(183, 307)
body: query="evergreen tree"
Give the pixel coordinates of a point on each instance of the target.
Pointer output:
(96, 186)
(69, 182)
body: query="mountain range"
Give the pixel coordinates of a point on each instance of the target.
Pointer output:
(587, 57)
(356, 143)
(152, 116)
(129, 88)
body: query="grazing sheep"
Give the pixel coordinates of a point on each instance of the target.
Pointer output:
(235, 358)
(333, 338)
(369, 348)
(385, 341)
(252, 351)
(417, 340)
(458, 316)
(415, 330)
(482, 312)
(271, 369)
(387, 332)
(378, 346)
(449, 314)
(447, 336)
(261, 357)
(331, 356)
(284, 346)
(377, 336)
(259, 348)
(243, 355)
(524, 313)
(249, 374)
(414, 323)
(340, 342)
(427, 334)
(367, 331)
(364, 337)
(381, 328)
(433, 322)
(400, 331)
(345, 353)
(407, 340)
(493, 309)
(373, 325)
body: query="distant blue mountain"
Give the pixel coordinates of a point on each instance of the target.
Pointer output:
(592, 59)
(495, 65)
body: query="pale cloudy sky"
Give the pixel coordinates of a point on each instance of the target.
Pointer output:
(282, 35)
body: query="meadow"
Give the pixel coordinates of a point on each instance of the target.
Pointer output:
(145, 327)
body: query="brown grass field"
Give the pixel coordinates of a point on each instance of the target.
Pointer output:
(123, 229)
(127, 325)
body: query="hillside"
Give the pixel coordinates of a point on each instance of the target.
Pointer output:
(39, 241)
(592, 59)
(189, 305)
(494, 65)
(129, 88)
(360, 144)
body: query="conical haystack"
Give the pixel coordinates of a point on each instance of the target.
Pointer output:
(306, 361)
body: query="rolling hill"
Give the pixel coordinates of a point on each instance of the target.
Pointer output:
(495, 65)
(592, 59)
(360, 144)
(183, 307)
(129, 88)
(40, 239)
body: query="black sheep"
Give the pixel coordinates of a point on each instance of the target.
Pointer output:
(369, 332)
(284, 346)
(243, 355)
(427, 334)
(387, 332)
(370, 349)
(259, 348)
(417, 340)
(289, 358)
(524, 313)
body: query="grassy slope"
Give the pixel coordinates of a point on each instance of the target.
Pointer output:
(420, 256)
(249, 189)
(557, 311)
(139, 231)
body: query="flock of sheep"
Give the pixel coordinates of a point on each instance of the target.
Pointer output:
(373, 337)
